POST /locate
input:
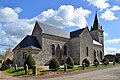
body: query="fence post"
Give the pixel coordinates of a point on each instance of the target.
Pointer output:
(15, 66)
(26, 69)
(34, 70)
(65, 67)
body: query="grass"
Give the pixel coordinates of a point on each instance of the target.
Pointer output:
(20, 70)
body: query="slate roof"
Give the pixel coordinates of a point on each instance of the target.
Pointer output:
(49, 29)
(96, 24)
(76, 33)
(29, 42)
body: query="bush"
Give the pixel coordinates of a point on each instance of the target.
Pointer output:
(96, 62)
(54, 64)
(117, 59)
(30, 62)
(8, 61)
(105, 61)
(4, 65)
(70, 63)
(86, 61)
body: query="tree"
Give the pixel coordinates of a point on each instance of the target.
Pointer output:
(105, 61)
(69, 62)
(8, 61)
(96, 62)
(54, 64)
(30, 62)
(86, 61)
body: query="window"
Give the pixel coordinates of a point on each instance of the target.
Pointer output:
(101, 55)
(65, 50)
(94, 54)
(24, 55)
(87, 51)
(53, 49)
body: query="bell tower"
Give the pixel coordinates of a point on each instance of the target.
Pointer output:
(97, 31)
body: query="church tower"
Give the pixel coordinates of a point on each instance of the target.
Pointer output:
(97, 31)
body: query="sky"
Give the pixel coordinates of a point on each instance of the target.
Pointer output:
(17, 19)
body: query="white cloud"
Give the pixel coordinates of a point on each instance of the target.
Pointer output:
(13, 29)
(109, 13)
(112, 50)
(8, 14)
(101, 4)
(18, 10)
(113, 41)
(105, 34)
(66, 15)
(115, 8)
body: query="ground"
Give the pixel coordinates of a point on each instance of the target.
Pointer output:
(111, 73)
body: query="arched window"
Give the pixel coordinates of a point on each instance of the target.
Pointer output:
(94, 54)
(87, 51)
(65, 50)
(101, 55)
(53, 49)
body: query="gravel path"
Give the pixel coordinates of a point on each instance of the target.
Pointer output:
(6, 77)
(103, 74)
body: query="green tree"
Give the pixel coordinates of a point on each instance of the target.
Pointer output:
(69, 62)
(86, 61)
(54, 64)
(30, 62)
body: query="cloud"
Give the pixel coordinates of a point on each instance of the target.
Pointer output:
(112, 50)
(115, 8)
(18, 10)
(13, 29)
(8, 14)
(101, 4)
(65, 16)
(109, 13)
(113, 41)
(105, 34)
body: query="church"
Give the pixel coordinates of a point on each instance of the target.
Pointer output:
(47, 42)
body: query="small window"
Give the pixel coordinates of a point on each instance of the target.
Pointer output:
(65, 50)
(87, 51)
(53, 49)
(24, 55)
(94, 54)
(101, 55)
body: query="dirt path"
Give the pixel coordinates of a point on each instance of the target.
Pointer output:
(6, 77)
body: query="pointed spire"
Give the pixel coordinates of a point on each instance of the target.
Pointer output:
(96, 24)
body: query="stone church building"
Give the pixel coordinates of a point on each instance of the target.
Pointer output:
(47, 42)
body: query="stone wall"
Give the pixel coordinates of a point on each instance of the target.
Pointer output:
(86, 41)
(75, 49)
(99, 52)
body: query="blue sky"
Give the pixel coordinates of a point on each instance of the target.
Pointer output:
(17, 18)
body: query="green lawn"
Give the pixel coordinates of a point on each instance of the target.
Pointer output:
(20, 70)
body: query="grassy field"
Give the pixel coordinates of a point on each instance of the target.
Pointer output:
(20, 70)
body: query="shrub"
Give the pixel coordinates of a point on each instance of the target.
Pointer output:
(8, 61)
(30, 62)
(54, 64)
(86, 61)
(4, 65)
(105, 61)
(96, 62)
(117, 59)
(70, 63)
